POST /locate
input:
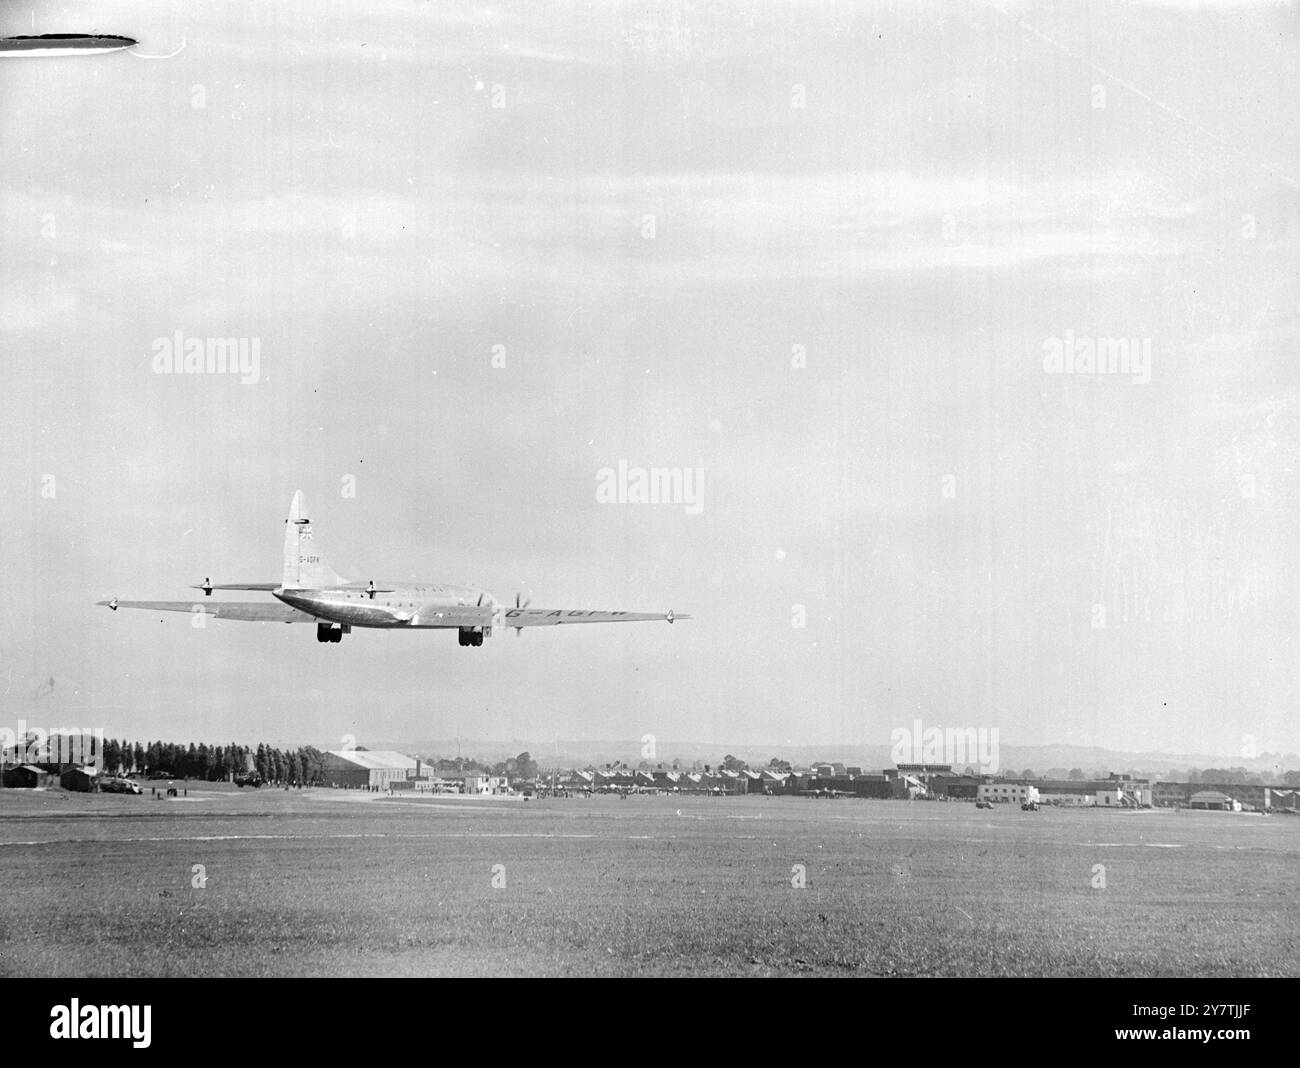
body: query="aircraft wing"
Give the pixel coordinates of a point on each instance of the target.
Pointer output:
(485, 616)
(552, 617)
(267, 586)
(255, 612)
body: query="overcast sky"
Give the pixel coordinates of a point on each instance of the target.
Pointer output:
(819, 251)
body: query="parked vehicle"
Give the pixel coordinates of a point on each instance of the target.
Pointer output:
(119, 786)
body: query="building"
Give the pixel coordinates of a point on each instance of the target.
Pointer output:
(1014, 793)
(81, 780)
(365, 769)
(424, 784)
(1135, 793)
(1282, 797)
(724, 782)
(773, 781)
(1214, 801)
(1250, 796)
(26, 777)
(880, 787)
(486, 785)
(957, 787)
(1172, 794)
(580, 782)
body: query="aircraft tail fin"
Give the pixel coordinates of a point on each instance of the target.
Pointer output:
(304, 567)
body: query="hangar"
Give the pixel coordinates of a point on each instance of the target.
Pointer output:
(366, 769)
(1213, 799)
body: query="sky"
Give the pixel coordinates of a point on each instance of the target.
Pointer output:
(821, 255)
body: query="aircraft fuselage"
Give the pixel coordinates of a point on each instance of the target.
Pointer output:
(392, 604)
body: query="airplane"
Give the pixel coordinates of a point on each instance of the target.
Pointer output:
(309, 591)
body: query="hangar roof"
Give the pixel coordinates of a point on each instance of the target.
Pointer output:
(374, 759)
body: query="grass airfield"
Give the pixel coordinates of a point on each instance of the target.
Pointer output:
(323, 882)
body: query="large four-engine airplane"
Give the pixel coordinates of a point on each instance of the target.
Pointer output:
(310, 592)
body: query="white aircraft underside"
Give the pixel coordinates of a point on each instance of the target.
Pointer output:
(309, 592)
(64, 44)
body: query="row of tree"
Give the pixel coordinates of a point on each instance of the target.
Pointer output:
(522, 766)
(296, 767)
(215, 763)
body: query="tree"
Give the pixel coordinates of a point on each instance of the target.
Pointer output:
(1028, 773)
(1076, 774)
(525, 766)
(313, 765)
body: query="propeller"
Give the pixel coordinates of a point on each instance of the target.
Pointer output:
(521, 603)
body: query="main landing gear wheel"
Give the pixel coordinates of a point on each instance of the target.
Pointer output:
(327, 633)
(466, 636)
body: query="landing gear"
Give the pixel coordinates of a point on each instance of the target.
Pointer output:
(331, 632)
(469, 636)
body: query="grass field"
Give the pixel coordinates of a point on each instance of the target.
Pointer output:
(331, 883)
